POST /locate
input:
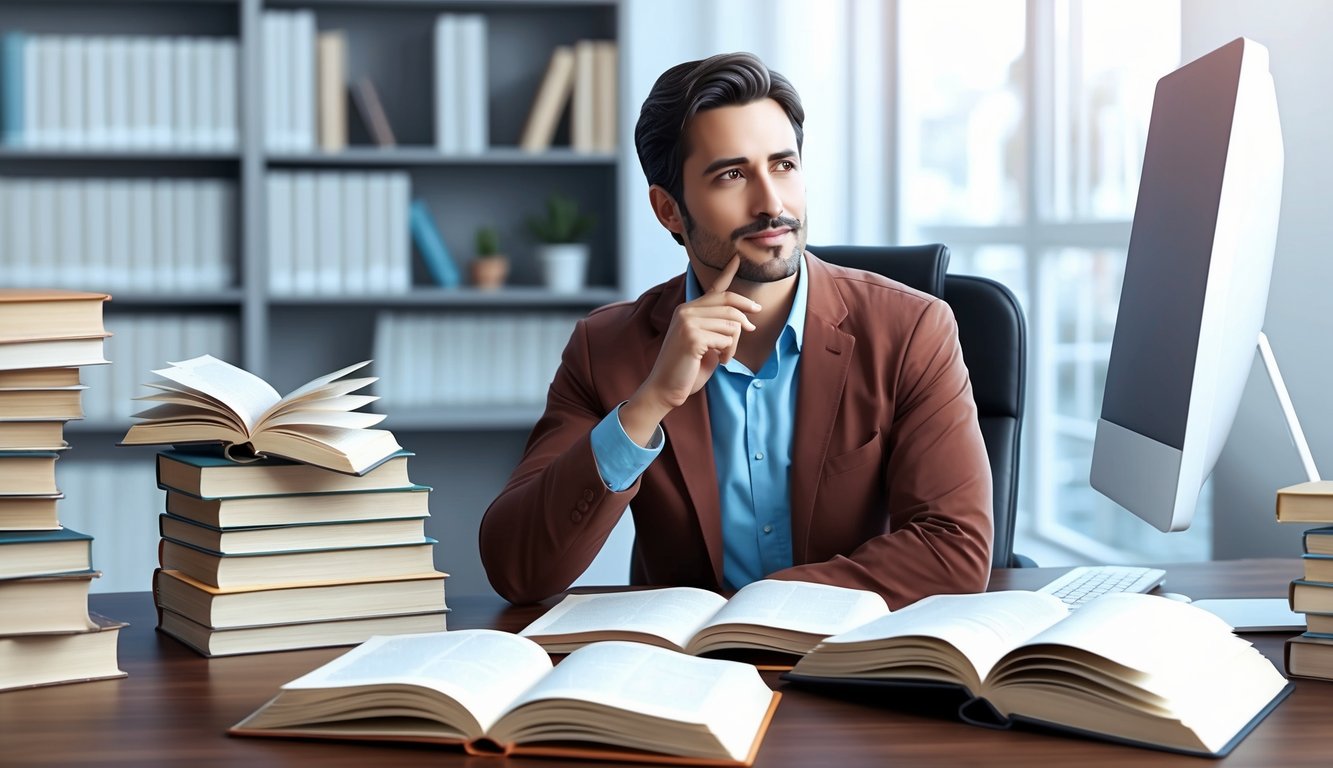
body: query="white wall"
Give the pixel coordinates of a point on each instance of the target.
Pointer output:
(1259, 457)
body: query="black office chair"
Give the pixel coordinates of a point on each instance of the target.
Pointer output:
(993, 335)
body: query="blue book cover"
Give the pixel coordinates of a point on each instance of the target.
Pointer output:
(33, 537)
(431, 245)
(11, 88)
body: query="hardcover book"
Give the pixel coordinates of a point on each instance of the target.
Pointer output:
(212, 476)
(296, 567)
(272, 538)
(36, 553)
(206, 400)
(36, 314)
(27, 661)
(39, 604)
(299, 509)
(280, 603)
(1310, 502)
(293, 635)
(1132, 668)
(496, 693)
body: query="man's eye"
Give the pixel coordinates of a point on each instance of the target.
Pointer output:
(786, 165)
(730, 175)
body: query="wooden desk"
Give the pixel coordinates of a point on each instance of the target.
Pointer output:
(174, 707)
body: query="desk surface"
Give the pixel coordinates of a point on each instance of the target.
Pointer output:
(175, 706)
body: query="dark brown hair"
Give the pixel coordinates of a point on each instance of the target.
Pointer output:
(727, 79)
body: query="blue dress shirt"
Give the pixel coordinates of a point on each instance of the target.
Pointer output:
(752, 416)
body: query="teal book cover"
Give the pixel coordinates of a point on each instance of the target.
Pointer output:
(431, 245)
(33, 537)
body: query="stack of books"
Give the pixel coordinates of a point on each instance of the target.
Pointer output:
(1311, 654)
(47, 635)
(303, 530)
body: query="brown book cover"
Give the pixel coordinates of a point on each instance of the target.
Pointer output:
(550, 101)
(367, 100)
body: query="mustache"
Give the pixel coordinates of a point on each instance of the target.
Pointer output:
(759, 225)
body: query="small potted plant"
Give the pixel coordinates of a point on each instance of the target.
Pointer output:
(490, 267)
(560, 231)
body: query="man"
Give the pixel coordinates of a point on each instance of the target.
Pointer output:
(765, 414)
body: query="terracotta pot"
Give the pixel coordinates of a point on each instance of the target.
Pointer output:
(489, 273)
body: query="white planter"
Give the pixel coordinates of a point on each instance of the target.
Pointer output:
(564, 266)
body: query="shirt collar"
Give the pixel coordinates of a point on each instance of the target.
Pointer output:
(795, 318)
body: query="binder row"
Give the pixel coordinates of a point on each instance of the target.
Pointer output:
(288, 60)
(138, 235)
(117, 503)
(141, 343)
(115, 92)
(461, 116)
(338, 233)
(467, 358)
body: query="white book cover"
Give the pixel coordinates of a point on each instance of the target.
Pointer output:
(393, 363)
(143, 252)
(210, 261)
(303, 105)
(355, 251)
(446, 84)
(204, 96)
(96, 234)
(166, 270)
(118, 235)
(305, 253)
(164, 130)
(423, 370)
(273, 67)
(96, 92)
(187, 250)
(473, 77)
(50, 127)
(223, 203)
(45, 221)
(33, 97)
(400, 249)
(582, 114)
(118, 92)
(503, 371)
(142, 349)
(141, 92)
(68, 271)
(329, 214)
(17, 237)
(381, 351)
(72, 98)
(227, 65)
(281, 269)
(185, 94)
(378, 261)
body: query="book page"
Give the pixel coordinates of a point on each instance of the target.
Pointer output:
(673, 614)
(982, 627)
(483, 670)
(247, 395)
(815, 608)
(727, 696)
(1155, 641)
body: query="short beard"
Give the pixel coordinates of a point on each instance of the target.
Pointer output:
(715, 252)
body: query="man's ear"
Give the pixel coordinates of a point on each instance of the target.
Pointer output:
(666, 209)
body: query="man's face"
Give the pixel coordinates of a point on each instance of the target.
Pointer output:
(744, 192)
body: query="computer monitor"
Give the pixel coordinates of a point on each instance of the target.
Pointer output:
(1196, 283)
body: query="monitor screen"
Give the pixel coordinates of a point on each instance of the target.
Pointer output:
(1196, 283)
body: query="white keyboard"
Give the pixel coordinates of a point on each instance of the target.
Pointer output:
(1085, 583)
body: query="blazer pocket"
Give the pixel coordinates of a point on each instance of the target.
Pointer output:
(857, 457)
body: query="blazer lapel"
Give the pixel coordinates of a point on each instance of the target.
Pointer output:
(826, 356)
(690, 438)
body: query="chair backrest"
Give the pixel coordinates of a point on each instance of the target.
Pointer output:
(993, 336)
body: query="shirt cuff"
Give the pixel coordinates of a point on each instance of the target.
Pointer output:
(620, 460)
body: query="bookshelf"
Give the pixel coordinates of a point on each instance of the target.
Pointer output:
(463, 451)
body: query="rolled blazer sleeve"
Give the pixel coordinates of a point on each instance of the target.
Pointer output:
(554, 514)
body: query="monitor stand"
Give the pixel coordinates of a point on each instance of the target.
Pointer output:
(1288, 412)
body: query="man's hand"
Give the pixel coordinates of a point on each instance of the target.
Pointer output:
(704, 333)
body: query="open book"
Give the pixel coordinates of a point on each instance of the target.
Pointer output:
(787, 617)
(497, 693)
(1133, 668)
(206, 400)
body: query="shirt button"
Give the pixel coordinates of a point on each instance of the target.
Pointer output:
(759, 457)
(587, 494)
(768, 529)
(575, 517)
(759, 385)
(583, 506)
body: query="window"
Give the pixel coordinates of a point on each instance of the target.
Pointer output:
(1021, 128)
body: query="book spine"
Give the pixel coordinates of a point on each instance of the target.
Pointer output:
(431, 245)
(12, 97)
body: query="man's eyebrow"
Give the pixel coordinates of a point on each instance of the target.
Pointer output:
(717, 165)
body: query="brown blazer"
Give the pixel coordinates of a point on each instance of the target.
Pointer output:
(890, 484)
